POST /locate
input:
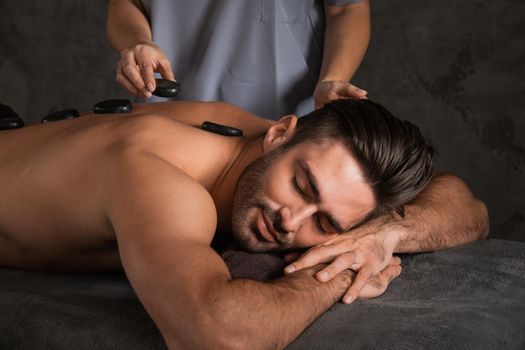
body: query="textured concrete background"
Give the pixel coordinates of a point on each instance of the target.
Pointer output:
(456, 68)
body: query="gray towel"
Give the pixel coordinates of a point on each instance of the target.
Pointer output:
(469, 297)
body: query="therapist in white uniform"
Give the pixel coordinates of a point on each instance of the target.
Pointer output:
(271, 57)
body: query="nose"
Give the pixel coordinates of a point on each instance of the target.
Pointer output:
(291, 219)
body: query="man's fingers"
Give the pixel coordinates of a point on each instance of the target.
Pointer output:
(395, 260)
(360, 281)
(341, 263)
(391, 273)
(377, 284)
(314, 256)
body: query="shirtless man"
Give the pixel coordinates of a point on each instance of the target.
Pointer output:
(147, 192)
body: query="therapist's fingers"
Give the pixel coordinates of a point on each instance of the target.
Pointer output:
(329, 90)
(132, 71)
(124, 81)
(148, 77)
(353, 91)
(164, 68)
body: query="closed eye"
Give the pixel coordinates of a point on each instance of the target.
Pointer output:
(298, 188)
(309, 191)
(320, 227)
(317, 218)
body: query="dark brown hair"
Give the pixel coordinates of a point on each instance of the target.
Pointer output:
(394, 157)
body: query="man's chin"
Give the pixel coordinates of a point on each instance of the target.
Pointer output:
(250, 242)
(262, 248)
(253, 245)
(256, 246)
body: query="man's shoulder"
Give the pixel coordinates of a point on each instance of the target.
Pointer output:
(147, 191)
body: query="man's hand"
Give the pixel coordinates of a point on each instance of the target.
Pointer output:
(329, 90)
(377, 284)
(137, 65)
(373, 287)
(367, 250)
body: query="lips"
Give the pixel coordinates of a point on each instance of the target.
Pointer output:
(265, 227)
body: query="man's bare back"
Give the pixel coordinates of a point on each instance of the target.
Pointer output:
(58, 178)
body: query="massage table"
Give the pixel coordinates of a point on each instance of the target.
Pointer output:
(467, 297)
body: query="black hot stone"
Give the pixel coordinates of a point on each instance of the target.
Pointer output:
(221, 129)
(9, 119)
(60, 115)
(166, 88)
(113, 106)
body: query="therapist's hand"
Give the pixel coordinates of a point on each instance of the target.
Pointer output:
(135, 70)
(367, 249)
(329, 90)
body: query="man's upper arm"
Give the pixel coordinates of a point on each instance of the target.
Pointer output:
(164, 222)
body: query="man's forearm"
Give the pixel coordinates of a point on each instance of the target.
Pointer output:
(189, 293)
(346, 39)
(445, 214)
(126, 24)
(257, 315)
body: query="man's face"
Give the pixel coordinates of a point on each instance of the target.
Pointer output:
(299, 198)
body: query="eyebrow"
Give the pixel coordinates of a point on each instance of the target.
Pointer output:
(312, 181)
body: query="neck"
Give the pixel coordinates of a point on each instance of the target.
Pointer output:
(248, 149)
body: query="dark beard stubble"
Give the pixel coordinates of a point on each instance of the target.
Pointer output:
(248, 195)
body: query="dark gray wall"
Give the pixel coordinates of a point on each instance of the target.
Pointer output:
(456, 68)
(54, 55)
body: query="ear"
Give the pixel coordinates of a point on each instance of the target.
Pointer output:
(279, 133)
